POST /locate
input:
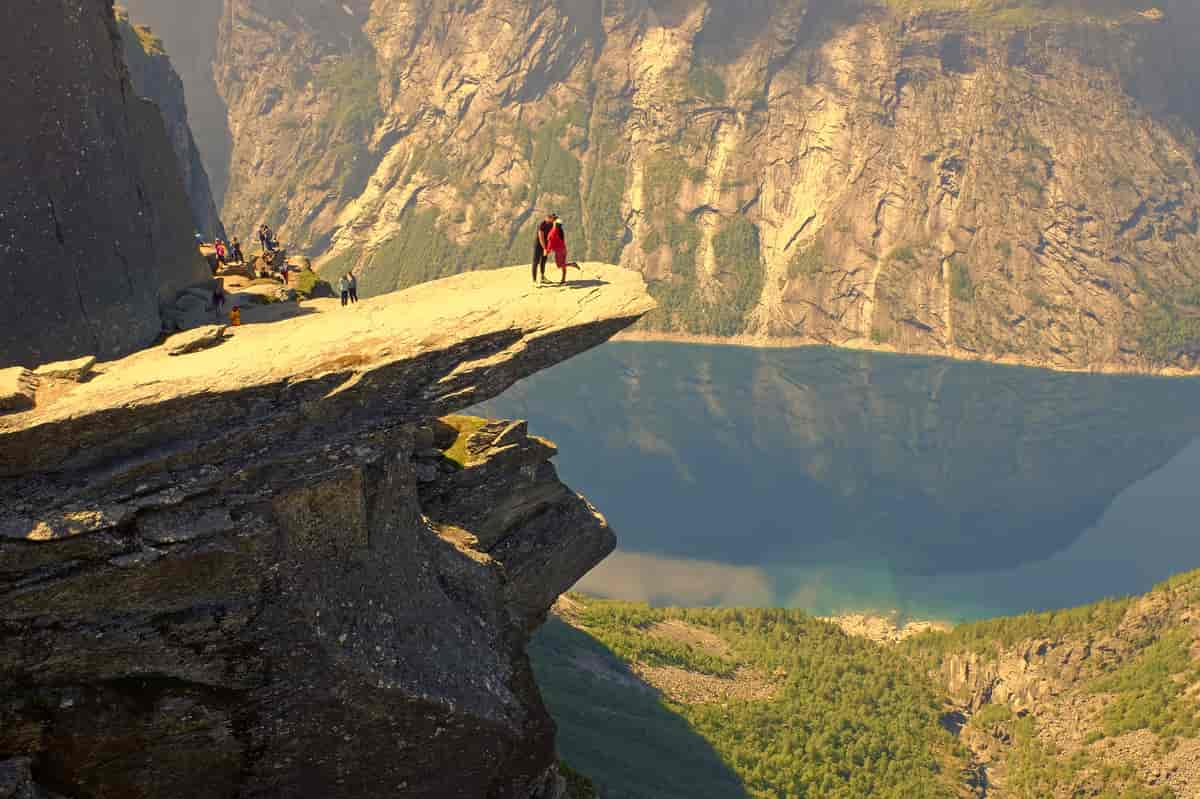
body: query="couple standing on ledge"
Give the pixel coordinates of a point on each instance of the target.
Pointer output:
(551, 238)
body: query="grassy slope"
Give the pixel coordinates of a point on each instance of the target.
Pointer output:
(851, 718)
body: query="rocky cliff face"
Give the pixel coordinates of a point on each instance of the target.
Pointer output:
(95, 229)
(1004, 182)
(224, 574)
(1114, 683)
(155, 78)
(189, 29)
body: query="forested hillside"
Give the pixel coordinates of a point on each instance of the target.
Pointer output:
(1094, 701)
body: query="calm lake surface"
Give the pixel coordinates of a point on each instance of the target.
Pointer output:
(836, 481)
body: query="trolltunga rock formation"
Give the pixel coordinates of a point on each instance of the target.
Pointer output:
(270, 568)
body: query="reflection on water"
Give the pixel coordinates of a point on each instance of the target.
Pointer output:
(835, 480)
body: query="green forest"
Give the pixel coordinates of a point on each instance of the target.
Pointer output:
(847, 717)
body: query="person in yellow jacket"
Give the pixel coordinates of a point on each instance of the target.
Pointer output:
(235, 316)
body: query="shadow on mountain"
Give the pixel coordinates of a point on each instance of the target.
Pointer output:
(613, 728)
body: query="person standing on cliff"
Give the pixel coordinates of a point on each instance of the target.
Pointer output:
(353, 281)
(557, 241)
(235, 251)
(344, 289)
(541, 247)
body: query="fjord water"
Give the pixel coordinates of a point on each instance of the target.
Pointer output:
(840, 481)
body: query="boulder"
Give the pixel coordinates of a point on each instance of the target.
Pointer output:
(67, 370)
(18, 387)
(200, 338)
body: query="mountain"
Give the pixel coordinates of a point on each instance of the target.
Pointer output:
(1006, 180)
(95, 228)
(1095, 701)
(155, 78)
(189, 32)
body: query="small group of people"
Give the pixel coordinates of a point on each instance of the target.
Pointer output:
(348, 288)
(551, 238)
(229, 254)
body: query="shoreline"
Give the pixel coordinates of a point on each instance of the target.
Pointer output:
(865, 345)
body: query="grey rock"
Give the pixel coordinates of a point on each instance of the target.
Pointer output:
(200, 338)
(95, 229)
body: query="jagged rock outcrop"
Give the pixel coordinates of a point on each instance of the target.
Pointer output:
(155, 78)
(95, 229)
(268, 569)
(1010, 182)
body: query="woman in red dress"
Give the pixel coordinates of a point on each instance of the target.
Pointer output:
(557, 243)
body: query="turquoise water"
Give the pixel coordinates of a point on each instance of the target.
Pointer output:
(836, 481)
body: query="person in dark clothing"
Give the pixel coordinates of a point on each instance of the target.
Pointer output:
(219, 298)
(353, 286)
(541, 247)
(344, 289)
(266, 238)
(235, 251)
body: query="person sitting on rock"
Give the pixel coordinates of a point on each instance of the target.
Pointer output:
(235, 251)
(557, 242)
(344, 289)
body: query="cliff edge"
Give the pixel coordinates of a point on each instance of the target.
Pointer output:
(95, 229)
(268, 568)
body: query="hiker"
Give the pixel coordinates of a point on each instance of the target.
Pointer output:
(353, 286)
(541, 247)
(267, 239)
(557, 242)
(222, 253)
(235, 316)
(235, 251)
(344, 289)
(219, 297)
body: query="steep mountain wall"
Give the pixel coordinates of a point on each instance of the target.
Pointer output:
(95, 229)
(224, 575)
(189, 31)
(155, 79)
(1003, 181)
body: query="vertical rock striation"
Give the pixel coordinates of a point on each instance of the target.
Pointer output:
(95, 229)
